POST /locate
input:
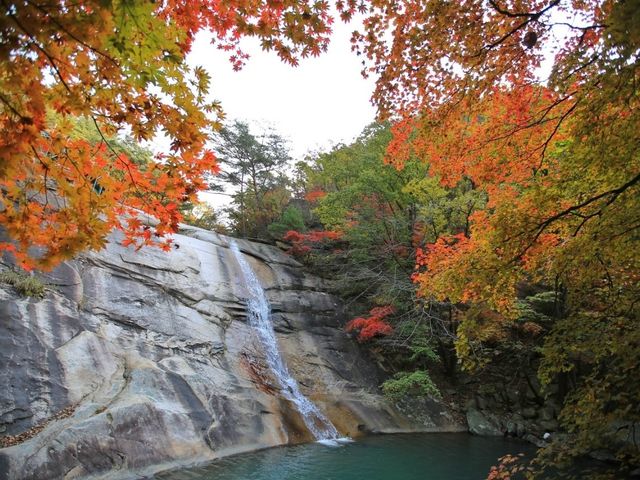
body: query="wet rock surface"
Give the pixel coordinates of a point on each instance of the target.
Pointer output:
(151, 359)
(515, 406)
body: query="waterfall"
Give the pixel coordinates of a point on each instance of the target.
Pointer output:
(259, 318)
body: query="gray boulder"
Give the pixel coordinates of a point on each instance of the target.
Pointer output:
(481, 423)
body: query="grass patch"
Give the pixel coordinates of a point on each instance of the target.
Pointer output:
(25, 284)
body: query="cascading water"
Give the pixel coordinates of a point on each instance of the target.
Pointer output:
(259, 318)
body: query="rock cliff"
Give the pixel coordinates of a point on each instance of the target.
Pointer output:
(135, 362)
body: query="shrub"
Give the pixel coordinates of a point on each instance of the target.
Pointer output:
(417, 383)
(25, 284)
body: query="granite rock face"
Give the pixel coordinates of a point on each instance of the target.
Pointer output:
(482, 423)
(151, 354)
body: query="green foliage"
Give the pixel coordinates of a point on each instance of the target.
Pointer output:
(423, 352)
(202, 215)
(252, 165)
(539, 308)
(291, 219)
(364, 199)
(384, 214)
(24, 283)
(410, 384)
(444, 210)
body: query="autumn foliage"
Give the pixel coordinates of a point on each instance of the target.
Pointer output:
(554, 151)
(533, 107)
(510, 467)
(467, 96)
(303, 243)
(315, 195)
(372, 326)
(121, 64)
(513, 159)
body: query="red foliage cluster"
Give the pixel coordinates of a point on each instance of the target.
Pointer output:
(301, 243)
(372, 326)
(315, 195)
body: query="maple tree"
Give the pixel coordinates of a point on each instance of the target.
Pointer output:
(122, 65)
(536, 104)
(462, 82)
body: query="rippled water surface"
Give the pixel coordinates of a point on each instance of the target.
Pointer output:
(438, 456)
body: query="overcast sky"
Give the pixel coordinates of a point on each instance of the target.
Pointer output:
(321, 102)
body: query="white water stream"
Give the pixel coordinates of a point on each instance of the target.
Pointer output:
(259, 318)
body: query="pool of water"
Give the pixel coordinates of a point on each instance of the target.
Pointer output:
(435, 456)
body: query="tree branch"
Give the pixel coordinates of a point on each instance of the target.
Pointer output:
(529, 15)
(612, 194)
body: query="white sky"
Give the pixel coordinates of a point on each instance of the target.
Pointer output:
(321, 102)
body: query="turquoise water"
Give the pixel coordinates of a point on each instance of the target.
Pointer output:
(436, 456)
